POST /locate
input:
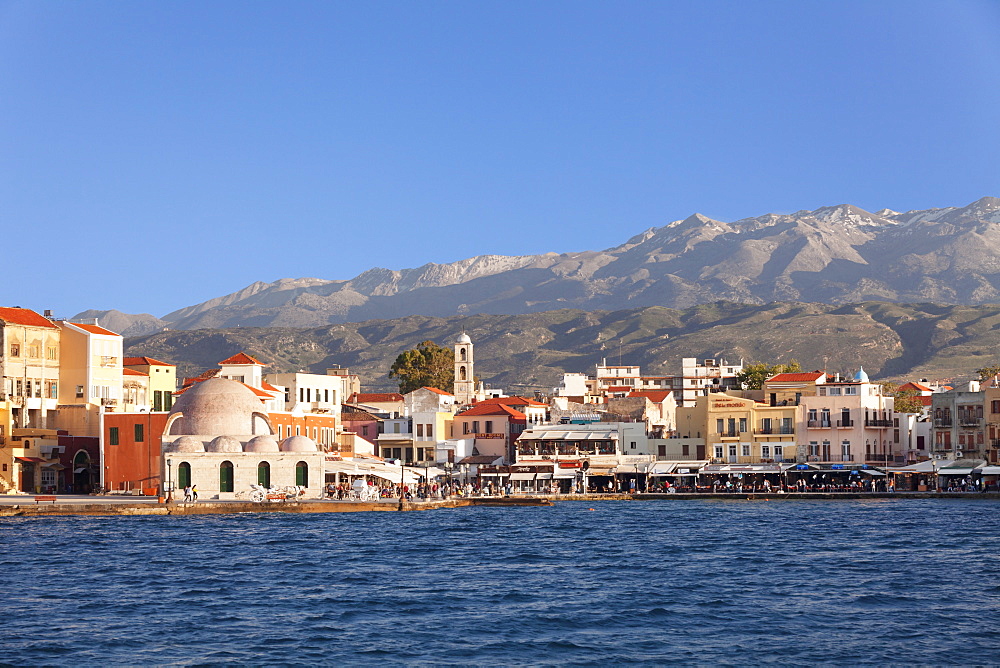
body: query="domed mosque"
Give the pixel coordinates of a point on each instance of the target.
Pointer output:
(219, 437)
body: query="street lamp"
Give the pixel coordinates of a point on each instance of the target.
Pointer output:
(169, 483)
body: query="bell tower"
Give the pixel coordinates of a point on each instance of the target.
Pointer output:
(465, 383)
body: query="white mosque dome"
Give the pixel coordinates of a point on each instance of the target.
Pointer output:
(224, 444)
(298, 444)
(262, 444)
(186, 444)
(217, 406)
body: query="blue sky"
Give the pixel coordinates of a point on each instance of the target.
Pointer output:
(157, 154)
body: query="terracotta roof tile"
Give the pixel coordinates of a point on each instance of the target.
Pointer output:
(437, 391)
(24, 316)
(240, 358)
(510, 401)
(267, 386)
(795, 377)
(94, 329)
(656, 396)
(132, 372)
(491, 409)
(919, 387)
(143, 361)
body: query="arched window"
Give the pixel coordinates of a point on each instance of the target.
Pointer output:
(461, 373)
(264, 474)
(302, 474)
(463, 355)
(226, 477)
(183, 475)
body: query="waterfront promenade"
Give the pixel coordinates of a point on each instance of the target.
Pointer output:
(68, 504)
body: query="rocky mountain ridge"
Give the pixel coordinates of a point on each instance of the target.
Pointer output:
(835, 255)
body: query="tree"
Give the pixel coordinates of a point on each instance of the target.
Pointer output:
(905, 401)
(987, 372)
(754, 374)
(427, 365)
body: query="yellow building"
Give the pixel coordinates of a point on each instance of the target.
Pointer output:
(29, 368)
(90, 379)
(741, 431)
(162, 380)
(29, 462)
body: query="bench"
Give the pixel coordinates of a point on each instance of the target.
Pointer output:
(275, 497)
(45, 498)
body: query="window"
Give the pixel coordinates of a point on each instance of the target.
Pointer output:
(743, 425)
(264, 474)
(430, 431)
(850, 390)
(718, 452)
(834, 391)
(845, 449)
(50, 352)
(364, 430)
(685, 450)
(140, 435)
(280, 429)
(765, 451)
(15, 350)
(157, 400)
(420, 430)
(732, 450)
(489, 426)
(995, 406)
(28, 386)
(720, 426)
(34, 352)
(475, 426)
(226, 477)
(183, 475)
(302, 474)
(745, 449)
(814, 448)
(465, 427)
(113, 435)
(53, 390)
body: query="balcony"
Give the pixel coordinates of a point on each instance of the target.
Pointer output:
(973, 422)
(942, 422)
(109, 402)
(878, 423)
(786, 431)
(845, 424)
(818, 424)
(730, 433)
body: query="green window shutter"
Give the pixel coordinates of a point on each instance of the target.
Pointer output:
(264, 474)
(302, 474)
(158, 400)
(140, 434)
(113, 435)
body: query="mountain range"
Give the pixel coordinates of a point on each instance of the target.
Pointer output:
(833, 255)
(527, 352)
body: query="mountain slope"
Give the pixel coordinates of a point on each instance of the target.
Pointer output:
(835, 255)
(523, 353)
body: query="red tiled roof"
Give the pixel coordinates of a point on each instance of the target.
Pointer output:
(491, 409)
(190, 382)
(94, 329)
(509, 401)
(376, 397)
(915, 386)
(132, 372)
(619, 388)
(240, 358)
(437, 391)
(795, 377)
(143, 361)
(267, 386)
(24, 316)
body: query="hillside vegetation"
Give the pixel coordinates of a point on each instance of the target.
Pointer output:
(525, 352)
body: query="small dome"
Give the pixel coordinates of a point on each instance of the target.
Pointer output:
(224, 444)
(298, 444)
(261, 444)
(861, 375)
(463, 338)
(186, 444)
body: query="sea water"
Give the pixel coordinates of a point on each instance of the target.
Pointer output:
(581, 583)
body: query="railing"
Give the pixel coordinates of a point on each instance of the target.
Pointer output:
(729, 433)
(878, 423)
(109, 402)
(776, 430)
(942, 422)
(818, 424)
(845, 423)
(969, 421)
(830, 458)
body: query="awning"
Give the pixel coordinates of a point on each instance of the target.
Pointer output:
(54, 465)
(955, 471)
(564, 476)
(990, 470)
(32, 460)
(80, 470)
(492, 475)
(522, 476)
(544, 476)
(599, 470)
(872, 472)
(662, 468)
(742, 468)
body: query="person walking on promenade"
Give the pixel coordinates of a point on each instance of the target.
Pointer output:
(194, 493)
(187, 494)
